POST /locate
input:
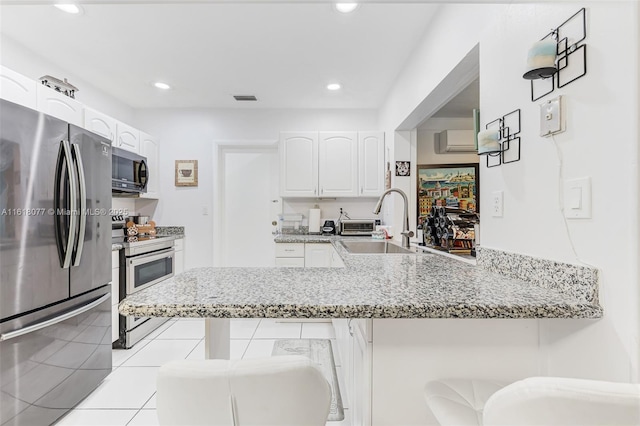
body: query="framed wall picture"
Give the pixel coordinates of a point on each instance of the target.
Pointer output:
(186, 172)
(448, 185)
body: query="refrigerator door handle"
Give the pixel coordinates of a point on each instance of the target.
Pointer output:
(64, 155)
(83, 203)
(53, 321)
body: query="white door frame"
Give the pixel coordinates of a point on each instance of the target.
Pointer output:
(218, 183)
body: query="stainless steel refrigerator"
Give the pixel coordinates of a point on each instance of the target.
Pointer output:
(55, 265)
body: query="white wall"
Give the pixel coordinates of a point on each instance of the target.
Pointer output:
(601, 141)
(16, 57)
(191, 134)
(453, 33)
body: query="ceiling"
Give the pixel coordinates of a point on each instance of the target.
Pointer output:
(463, 104)
(283, 53)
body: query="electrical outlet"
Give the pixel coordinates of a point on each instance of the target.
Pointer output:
(496, 204)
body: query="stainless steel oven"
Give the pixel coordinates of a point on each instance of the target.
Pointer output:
(144, 270)
(144, 261)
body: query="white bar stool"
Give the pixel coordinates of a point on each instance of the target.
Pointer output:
(459, 402)
(280, 390)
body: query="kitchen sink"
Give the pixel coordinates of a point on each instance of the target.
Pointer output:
(375, 247)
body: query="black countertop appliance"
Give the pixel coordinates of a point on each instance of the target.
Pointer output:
(329, 227)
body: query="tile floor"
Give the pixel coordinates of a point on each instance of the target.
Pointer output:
(127, 396)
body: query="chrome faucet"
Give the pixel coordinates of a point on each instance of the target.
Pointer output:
(406, 234)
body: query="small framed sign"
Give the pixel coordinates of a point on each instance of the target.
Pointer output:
(403, 168)
(186, 172)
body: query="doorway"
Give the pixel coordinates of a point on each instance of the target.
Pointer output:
(248, 203)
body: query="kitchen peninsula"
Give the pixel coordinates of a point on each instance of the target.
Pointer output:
(414, 304)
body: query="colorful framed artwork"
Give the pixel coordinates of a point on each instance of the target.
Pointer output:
(186, 172)
(448, 185)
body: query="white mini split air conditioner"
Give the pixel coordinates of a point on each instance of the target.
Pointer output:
(454, 141)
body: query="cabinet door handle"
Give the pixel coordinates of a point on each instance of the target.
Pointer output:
(322, 191)
(314, 191)
(361, 190)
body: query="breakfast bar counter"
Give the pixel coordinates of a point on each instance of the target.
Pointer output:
(400, 320)
(422, 285)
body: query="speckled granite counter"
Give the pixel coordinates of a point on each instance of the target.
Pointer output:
(369, 286)
(177, 231)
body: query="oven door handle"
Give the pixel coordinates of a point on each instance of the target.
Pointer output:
(146, 258)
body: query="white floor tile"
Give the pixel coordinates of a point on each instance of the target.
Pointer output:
(145, 418)
(184, 330)
(97, 418)
(259, 348)
(124, 388)
(158, 352)
(159, 330)
(318, 330)
(121, 355)
(237, 349)
(243, 328)
(269, 329)
(151, 404)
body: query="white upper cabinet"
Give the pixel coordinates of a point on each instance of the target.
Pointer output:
(371, 163)
(100, 124)
(331, 164)
(17, 88)
(338, 164)
(299, 164)
(149, 148)
(60, 106)
(127, 137)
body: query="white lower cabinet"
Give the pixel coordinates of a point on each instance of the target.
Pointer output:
(179, 255)
(290, 254)
(307, 255)
(115, 293)
(355, 349)
(318, 255)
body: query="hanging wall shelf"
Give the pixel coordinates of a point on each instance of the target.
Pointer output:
(571, 60)
(508, 130)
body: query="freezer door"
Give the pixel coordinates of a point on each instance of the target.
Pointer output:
(91, 262)
(48, 368)
(30, 272)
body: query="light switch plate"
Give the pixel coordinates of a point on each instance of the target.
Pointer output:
(577, 198)
(551, 120)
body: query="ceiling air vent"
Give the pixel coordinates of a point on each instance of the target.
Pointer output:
(245, 98)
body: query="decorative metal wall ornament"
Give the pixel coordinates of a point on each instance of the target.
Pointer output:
(508, 130)
(544, 80)
(60, 86)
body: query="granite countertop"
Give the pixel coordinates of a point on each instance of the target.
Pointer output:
(420, 285)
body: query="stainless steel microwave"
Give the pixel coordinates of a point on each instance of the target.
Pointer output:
(129, 172)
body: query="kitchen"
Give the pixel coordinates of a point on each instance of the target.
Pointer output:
(576, 348)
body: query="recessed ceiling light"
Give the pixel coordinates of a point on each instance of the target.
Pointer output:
(334, 86)
(68, 7)
(163, 86)
(346, 7)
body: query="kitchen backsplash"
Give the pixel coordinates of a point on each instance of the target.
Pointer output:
(330, 209)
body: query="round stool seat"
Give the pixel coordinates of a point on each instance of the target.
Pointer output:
(459, 402)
